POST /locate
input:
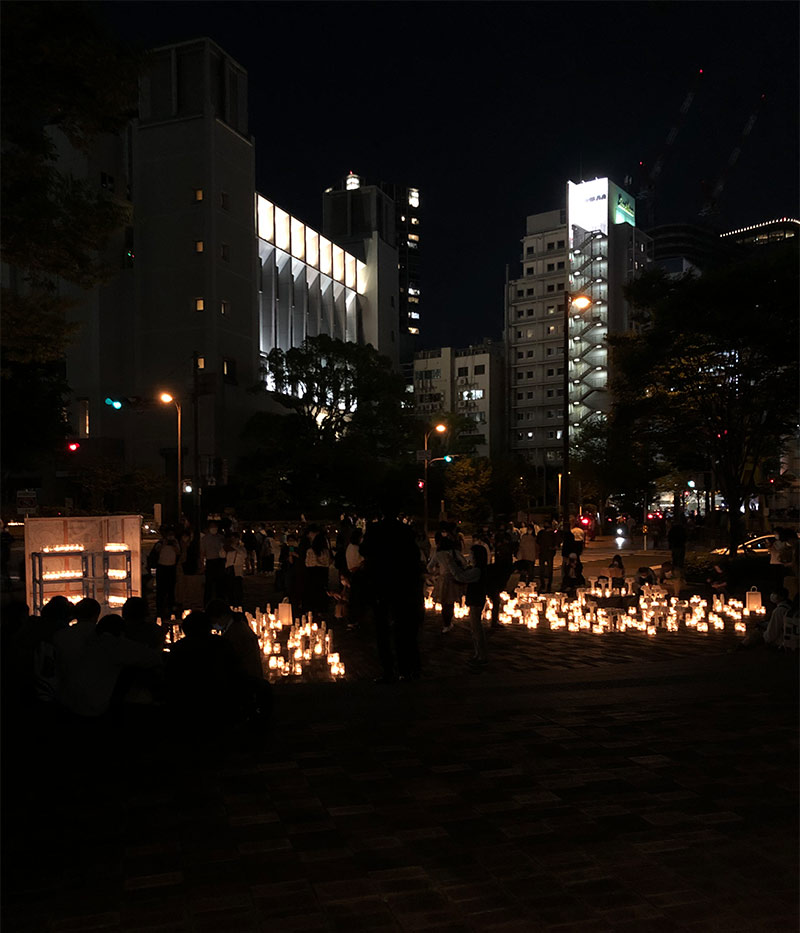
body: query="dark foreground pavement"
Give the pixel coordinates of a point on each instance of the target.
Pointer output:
(581, 783)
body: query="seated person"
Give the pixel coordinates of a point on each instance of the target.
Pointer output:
(769, 630)
(617, 569)
(572, 575)
(139, 627)
(717, 581)
(669, 577)
(202, 675)
(644, 577)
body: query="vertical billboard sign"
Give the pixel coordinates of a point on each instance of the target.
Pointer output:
(587, 206)
(622, 206)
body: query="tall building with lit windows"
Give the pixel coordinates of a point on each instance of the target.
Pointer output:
(591, 248)
(371, 220)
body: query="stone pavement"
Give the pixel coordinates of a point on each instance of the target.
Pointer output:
(581, 783)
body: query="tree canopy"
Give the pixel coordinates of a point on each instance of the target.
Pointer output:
(62, 72)
(711, 371)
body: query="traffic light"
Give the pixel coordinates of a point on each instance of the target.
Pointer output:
(585, 520)
(115, 403)
(448, 458)
(420, 484)
(73, 446)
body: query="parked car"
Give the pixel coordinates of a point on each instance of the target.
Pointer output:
(755, 547)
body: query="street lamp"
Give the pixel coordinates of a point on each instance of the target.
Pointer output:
(168, 399)
(439, 429)
(579, 303)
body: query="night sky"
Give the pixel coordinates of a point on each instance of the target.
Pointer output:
(489, 108)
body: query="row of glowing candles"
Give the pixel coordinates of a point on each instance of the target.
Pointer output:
(78, 575)
(655, 612)
(308, 643)
(111, 548)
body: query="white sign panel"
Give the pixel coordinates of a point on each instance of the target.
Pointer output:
(587, 206)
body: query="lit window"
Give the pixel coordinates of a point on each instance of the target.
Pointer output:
(198, 194)
(415, 221)
(551, 309)
(413, 197)
(414, 315)
(199, 304)
(412, 290)
(412, 300)
(413, 330)
(201, 362)
(224, 307)
(198, 246)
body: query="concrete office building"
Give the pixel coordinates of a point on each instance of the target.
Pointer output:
(381, 225)
(211, 277)
(468, 381)
(592, 248)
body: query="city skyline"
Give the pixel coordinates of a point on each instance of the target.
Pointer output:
(490, 108)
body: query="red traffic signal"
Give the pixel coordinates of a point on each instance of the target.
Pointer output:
(420, 484)
(585, 520)
(73, 446)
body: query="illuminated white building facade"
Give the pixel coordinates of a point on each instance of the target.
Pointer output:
(593, 249)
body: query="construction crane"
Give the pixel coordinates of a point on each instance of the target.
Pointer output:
(647, 192)
(711, 205)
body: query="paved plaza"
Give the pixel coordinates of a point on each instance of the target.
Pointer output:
(597, 783)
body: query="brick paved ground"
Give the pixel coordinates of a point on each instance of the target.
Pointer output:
(581, 783)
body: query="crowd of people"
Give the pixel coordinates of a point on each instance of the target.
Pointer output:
(72, 661)
(378, 572)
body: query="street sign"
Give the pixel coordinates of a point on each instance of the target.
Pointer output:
(27, 501)
(423, 455)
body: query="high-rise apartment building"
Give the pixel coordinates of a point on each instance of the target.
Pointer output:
(369, 220)
(590, 249)
(467, 381)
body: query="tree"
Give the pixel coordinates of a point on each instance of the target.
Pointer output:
(712, 371)
(340, 389)
(60, 72)
(467, 486)
(343, 435)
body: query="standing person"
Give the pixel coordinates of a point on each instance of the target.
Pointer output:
(212, 558)
(394, 579)
(165, 556)
(572, 575)
(235, 564)
(355, 572)
(250, 544)
(499, 572)
(317, 563)
(527, 555)
(476, 600)
(781, 556)
(547, 542)
(579, 537)
(447, 590)
(676, 539)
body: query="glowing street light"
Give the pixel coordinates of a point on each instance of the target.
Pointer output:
(439, 429)
(168, 399)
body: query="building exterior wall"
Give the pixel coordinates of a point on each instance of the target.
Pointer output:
(467, 381)
(591, 249)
